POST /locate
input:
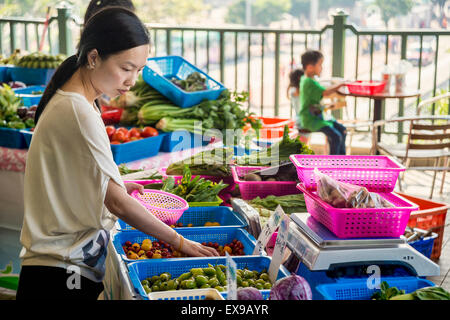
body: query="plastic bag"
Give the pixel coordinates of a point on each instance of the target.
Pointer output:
(345, 195)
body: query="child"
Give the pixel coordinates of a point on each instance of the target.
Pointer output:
(311, 112)
(293, 90)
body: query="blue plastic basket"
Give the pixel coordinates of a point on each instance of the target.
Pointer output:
(424, 246)
(213, 234)
(27, 134)
(182, 140)
(31, 76)
(12, 138)
(198, 216)
(4, 73)
(27, 97)
(141, 270)
(358, 289)
(138, 149)
(160, 70)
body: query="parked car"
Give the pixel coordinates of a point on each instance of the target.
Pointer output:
(413, 54)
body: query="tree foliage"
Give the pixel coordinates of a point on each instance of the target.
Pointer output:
(390, 9)
(263, 11)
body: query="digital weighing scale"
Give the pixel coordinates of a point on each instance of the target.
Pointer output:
(320, 250)
(321, 257)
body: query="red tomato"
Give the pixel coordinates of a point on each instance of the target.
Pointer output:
(149, 132)
(135, 133)
(134, 138)
(122, 129)
(118, 136)
(115, 142)
(110, 130)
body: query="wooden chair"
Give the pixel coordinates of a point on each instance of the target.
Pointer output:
(428, 138)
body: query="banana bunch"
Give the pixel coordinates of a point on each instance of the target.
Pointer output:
(12, 59)
(40, 60)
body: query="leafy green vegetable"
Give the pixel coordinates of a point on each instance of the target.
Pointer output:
(195, 126)
(386, 292)
(289, 203)
(277, 153)
(212, 162)
(193, 190)
(193, 82)
(9, 102)
(426, 293)
(123, 169)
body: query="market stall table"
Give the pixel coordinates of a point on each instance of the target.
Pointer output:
(378, 100)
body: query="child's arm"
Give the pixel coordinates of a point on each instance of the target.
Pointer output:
(330, 90)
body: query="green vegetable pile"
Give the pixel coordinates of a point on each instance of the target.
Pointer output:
(209, 277)
(12, 112)
(123, 170)
(143, 105)
(290, 203)
(193, 82)
(193, 190)
(211, 163)
(393, 293)
(277, 153)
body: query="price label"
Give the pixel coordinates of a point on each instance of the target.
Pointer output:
(278, 251)
(231, 278)
(269, 229)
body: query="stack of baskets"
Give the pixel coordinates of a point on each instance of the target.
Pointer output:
(229, 225)
(378, 174)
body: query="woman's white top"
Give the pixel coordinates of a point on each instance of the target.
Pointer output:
(68, 167)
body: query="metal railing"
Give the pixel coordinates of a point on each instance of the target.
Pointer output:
(258, 60)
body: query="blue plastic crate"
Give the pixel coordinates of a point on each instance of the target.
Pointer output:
(182, 140)
(141, 270)
(27, 97)
(358, 289)
(198, 216)
(213, 234)
(424, 246)
(27, 134)
(31, 76)
(12, 138)
(138, 149)
(4, 73)
(160, 70)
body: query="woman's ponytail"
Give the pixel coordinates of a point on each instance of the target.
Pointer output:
(61, 76)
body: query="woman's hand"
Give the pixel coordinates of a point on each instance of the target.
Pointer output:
(195, 249)
(131, 186)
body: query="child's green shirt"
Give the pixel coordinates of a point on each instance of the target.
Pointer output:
(311, 93)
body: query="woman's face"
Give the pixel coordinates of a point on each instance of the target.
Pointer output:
(118, 73)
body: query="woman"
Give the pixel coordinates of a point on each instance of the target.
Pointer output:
(73, 190)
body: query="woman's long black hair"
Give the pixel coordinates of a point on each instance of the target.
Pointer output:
(110, 31)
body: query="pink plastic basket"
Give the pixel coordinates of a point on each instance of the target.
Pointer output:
(252, 189)
(376, 173)
(361, 222)
(365, 87)
(165, 206)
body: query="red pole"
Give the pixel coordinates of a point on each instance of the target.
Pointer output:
(47, 17)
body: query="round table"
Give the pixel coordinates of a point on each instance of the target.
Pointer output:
(378, 100)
